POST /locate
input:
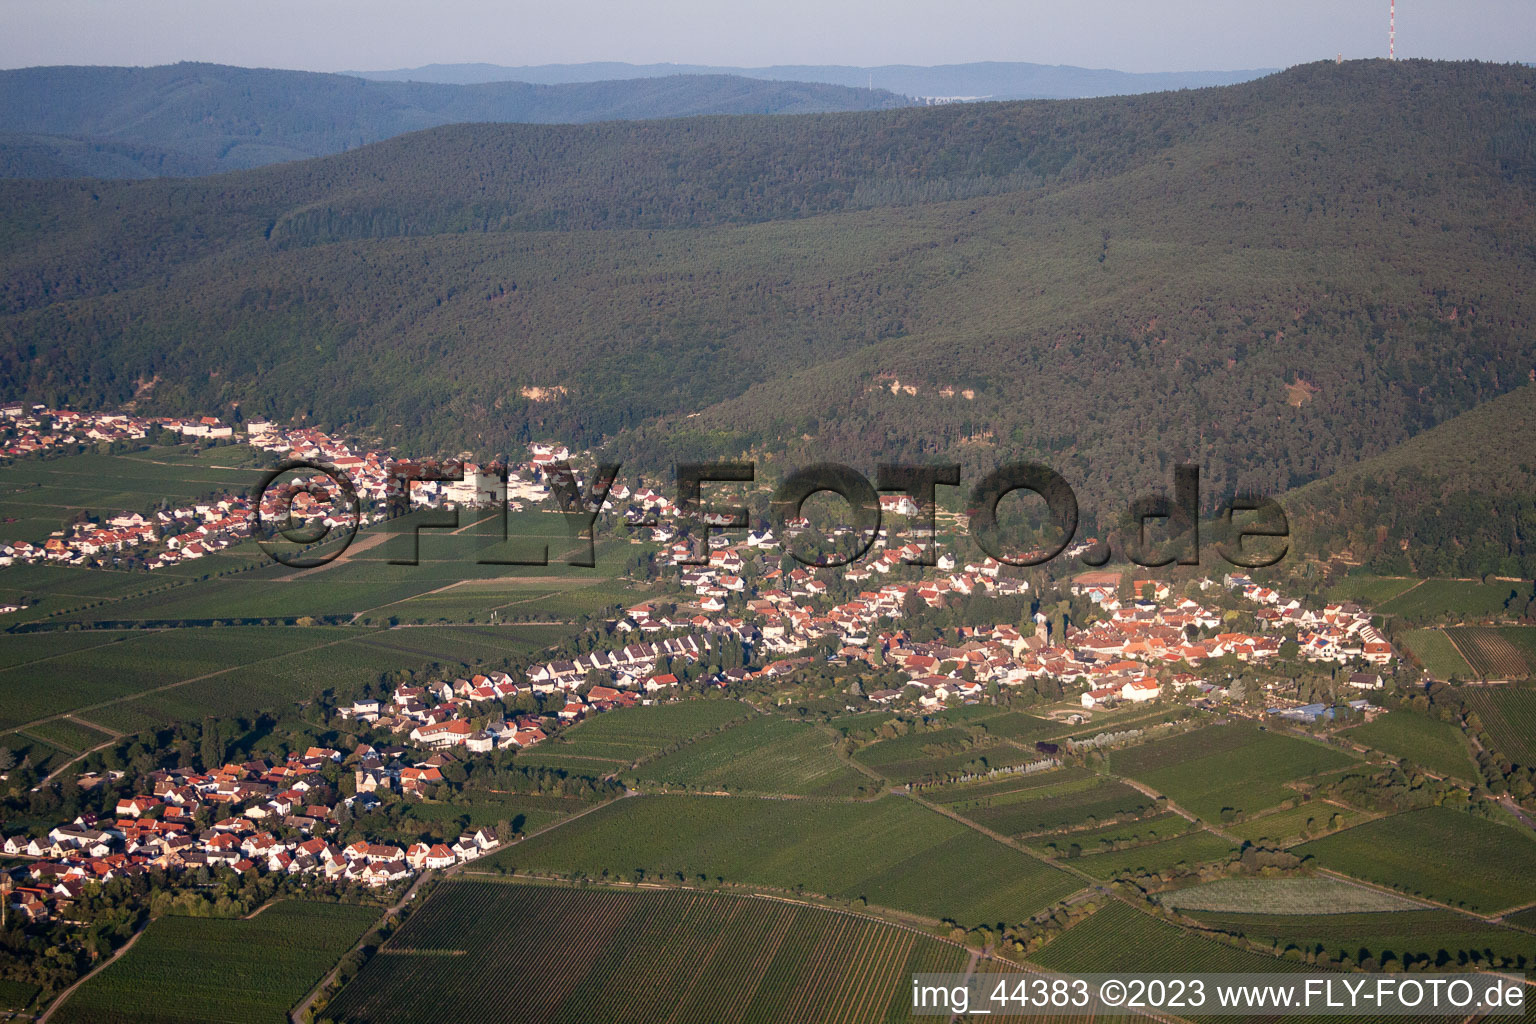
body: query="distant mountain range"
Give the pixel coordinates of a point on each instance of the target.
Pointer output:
(190, 119)
(993, 80)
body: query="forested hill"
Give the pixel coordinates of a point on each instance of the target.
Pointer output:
(186, 119)
(1274, 279)
(1457, 500)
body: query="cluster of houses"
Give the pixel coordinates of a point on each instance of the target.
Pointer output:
(33, 428)
(1340, 632)
(179, 534)
(244, 807)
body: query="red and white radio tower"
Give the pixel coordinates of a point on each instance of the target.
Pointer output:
(1392, 32)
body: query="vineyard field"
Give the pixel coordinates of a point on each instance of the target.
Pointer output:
(68, 735)
(1441, 937)
(935, 755)
(1427, 742)
(1194, 848)
(1437, 654)
(1456, 599)
(188, 970)
(1281, 896)
(1283, 827)
(963, 796)
(1497, 652)
(762, 755)
(597, 955)
(1100, 800)
(612, 741)
(139, 661)
(1233, 768)
(1508, 714)
(1442, 854)
(1370, 590)
(884, 851)
(1120, 938)
(1102, 840)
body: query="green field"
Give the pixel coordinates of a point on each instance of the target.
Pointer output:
(612, 741)
(963, 796)
(582, 956)
(1288, 825)
(1103, 840)
(937, 754)
(19, 649)
(53, 490)
(143, 660)
(1309, 895)
(1190, 850)
(68, 735)
(1120, 938)
(453, 580)
(761, 755)
(467, 645)
(1453, 599)
(1437, 654)
(66, 592)
(1440, 937)
(1369, 590)
(550, 598)
(1445, 855)
(145, 678)
(1031, 812)
(885, 851)
(203, 970)
(1508, 715)
(1427, 742)
(1042, 802)
(1236, 768)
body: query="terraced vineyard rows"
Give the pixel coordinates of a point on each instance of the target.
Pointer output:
(597, 955)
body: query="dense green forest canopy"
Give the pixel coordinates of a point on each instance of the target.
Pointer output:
(1456, 500)
(1273, 280)
(186, 119)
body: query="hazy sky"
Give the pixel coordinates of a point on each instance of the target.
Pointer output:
(1131, 35)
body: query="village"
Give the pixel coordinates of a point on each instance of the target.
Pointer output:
(228, 816)
(1141, 643)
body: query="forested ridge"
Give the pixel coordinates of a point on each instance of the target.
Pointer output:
(1272, 279)
(1457, 500)
(189, 118)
